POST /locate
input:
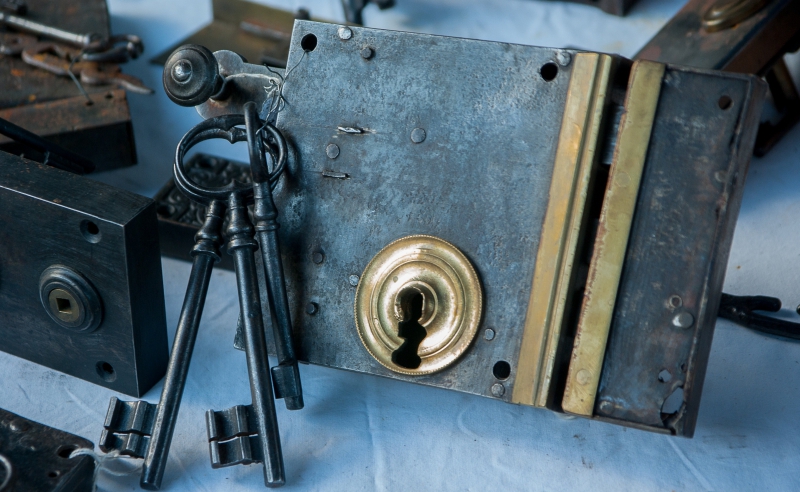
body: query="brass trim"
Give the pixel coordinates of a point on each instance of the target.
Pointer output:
(616, 219)
(452, 302)
(578, 146)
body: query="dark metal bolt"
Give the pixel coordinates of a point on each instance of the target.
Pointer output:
(312, 308)
(367, 52)
(418, 135)
(317, 257)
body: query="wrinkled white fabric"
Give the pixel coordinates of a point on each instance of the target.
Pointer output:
(364, 433)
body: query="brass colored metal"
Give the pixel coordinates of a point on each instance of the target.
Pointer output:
(727, 13)
(576, 156)
(611, 243)
(64, 305)
(452, 302)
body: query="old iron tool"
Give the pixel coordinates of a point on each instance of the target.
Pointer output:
(739, 309)
(63, 61)
(93, 46)
(242, 434)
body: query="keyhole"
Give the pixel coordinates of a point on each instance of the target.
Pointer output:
(63, 305)
(412, 332)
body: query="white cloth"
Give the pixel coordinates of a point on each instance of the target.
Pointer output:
(364, 433)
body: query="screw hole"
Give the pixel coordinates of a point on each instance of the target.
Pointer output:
(501, 370)
(65, 451)
(548, 71)
(725, 102)
(53, 474)
(90, 231)
(308, 43)
(675, 301)
(106, 371)
(109, 95)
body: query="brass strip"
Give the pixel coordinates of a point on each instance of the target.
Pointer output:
(612, 238)
(575, 156)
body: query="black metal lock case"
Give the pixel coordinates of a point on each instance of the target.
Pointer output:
(80, 277)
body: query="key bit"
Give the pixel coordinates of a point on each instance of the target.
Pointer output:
(233, 437)
(128, 427)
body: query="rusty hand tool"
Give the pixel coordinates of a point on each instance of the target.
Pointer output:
(62, 60)
(94, 47)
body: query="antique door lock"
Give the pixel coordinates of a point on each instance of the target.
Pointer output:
(574, 209)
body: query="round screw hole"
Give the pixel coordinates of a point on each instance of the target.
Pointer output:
(664, 376)
(549, 71)
(109, 95)
(90, 231)
(53, 474)
(65, 451)
(308, 43)
(106, 371)
(725, 102)
(89, 103)
(501, 370)
(675, 301)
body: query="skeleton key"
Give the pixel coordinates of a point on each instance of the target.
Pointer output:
(242, 434)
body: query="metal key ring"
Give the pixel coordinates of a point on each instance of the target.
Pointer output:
(225, 127)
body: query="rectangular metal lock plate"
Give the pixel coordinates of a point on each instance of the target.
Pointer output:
(500, 152)
(80, 277)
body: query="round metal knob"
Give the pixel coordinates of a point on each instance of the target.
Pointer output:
(191, 75)
(436, 277)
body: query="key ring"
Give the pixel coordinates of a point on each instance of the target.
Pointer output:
(226, 127)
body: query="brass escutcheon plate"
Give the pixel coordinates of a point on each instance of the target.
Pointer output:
(452, 302)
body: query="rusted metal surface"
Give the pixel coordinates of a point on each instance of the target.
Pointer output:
(259, 33)
(756, 45)
(97, 132)
(23, 84)
(752, 46)
(101, 131)
(676, 259)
